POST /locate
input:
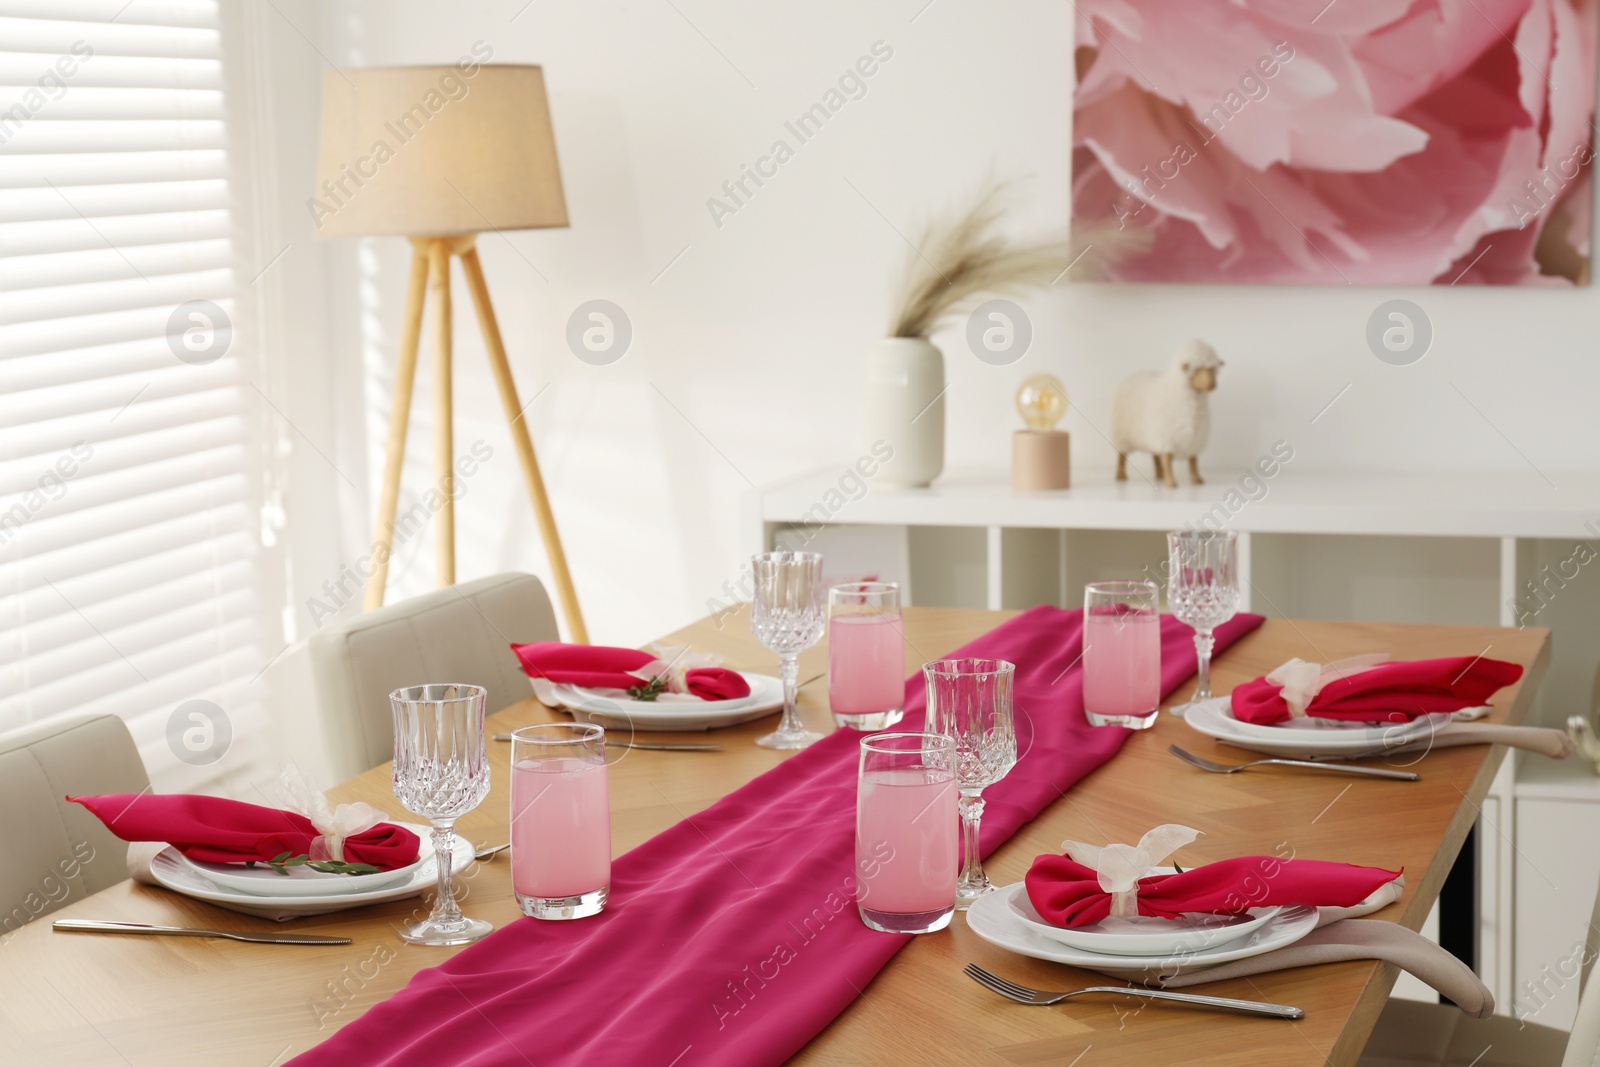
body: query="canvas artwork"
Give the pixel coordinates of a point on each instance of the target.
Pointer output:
(1351, 142)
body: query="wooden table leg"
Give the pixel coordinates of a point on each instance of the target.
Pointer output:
(443, 445)
(405, 375)
(576, 631)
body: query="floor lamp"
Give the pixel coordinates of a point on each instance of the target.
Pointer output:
(440, 155)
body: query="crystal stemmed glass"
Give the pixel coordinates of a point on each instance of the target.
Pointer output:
(788, 617)
(969, 700)
(1203, 590)
(441, 772)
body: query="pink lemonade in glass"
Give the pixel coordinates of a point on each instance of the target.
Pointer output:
(1121, 654)
(560, 827)
(866, 655)
(907, 841)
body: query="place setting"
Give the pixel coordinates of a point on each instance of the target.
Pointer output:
(664, 689)
(1127, 911)
(679, 689)
(1370, 706)
(1120, 909)
(312, 858)
(1304, 716)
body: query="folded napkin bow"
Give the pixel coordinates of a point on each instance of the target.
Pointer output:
(218, 830)
(1091, 883)
(1364, 689)
(601, 667)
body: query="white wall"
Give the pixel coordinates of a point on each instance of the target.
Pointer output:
(744, 364)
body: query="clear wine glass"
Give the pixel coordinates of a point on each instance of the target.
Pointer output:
(1203, 591)
(441, 772)
(788, 617)
(969, 700)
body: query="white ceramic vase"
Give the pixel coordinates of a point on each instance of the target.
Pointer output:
(904, 405)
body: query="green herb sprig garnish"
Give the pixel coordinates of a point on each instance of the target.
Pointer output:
(284, 860)
(649, 690)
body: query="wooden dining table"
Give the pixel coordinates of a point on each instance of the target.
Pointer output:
(70, 999)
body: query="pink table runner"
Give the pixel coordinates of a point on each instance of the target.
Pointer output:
(731, 937)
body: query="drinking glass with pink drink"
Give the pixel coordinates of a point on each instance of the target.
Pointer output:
(560, 820)
(1121, 653)
(907, 849)
(866, 655)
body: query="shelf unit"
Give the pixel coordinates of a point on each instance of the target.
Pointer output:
(1470, 548)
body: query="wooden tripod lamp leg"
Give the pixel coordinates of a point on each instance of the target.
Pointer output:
(405, 375)
(443, 430)
(576, 630)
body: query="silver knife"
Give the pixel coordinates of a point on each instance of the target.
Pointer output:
(102, 926)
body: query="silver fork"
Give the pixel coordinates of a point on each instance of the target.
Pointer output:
(1336, 768)
(1023, 995)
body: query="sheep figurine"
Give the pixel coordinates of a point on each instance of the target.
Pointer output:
(1166, 414)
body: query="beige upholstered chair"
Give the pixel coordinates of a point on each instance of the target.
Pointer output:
(1412, 1034)
(461, 633)
(55, 851)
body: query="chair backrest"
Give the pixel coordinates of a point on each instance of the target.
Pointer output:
(56, 851)
(461, 633)
(1583, 1047)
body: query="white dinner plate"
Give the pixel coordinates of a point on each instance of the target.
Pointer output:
(994, 918)
(766, 696)
(172, 871)
(262, 881)
(1214, 718)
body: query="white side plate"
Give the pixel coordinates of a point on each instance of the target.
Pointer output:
(261, 880)
(1145, 935)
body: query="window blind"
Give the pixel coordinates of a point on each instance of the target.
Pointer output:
(129, 487)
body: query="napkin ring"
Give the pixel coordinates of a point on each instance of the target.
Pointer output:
(1120, 867)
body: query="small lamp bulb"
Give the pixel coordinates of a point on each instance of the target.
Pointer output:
(1042, 400)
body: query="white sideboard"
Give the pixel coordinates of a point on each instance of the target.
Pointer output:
(1475, 548)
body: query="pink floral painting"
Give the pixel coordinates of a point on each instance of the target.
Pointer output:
(1351, 142)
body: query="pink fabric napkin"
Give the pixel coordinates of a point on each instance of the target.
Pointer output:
(218, 830)
(1068, 893)
(602, 667)
(1388, 692)
(731, 937)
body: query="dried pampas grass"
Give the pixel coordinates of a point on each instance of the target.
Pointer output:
(956, 263)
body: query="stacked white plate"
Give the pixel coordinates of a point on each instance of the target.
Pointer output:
(596, 706)
(1309, 738)
(1140, 949)
(303, 892)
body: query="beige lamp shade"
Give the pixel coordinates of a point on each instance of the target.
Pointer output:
(432, 151)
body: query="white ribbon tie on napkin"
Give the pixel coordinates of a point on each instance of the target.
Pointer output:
(336, 824)
(1120, 867)
(1302, 681)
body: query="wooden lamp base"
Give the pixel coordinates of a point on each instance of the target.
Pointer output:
(1041, 459)
(430, 273)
